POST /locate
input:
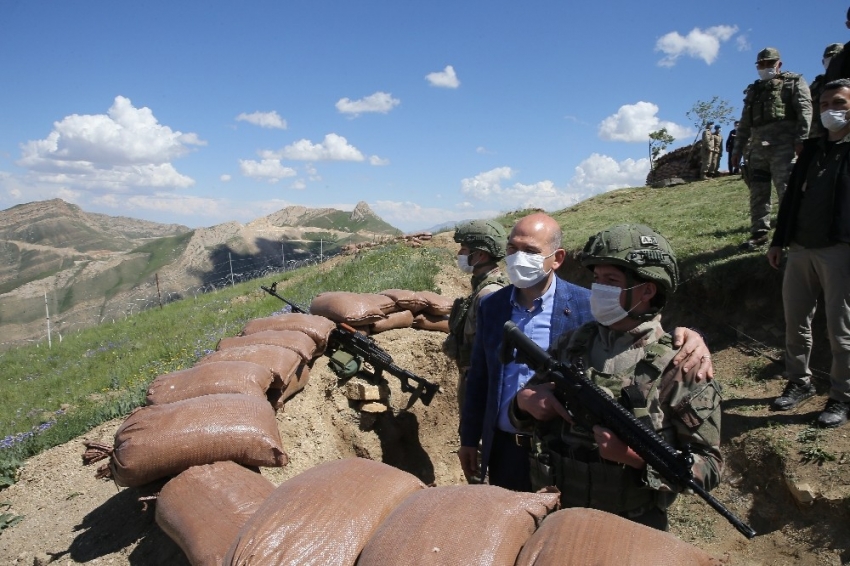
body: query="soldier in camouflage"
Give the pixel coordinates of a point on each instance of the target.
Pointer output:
(706, 151)
(482, 245)
(774, 122)
(718, 151)
(629, 354)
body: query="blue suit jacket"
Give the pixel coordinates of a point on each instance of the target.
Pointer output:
(484, 381)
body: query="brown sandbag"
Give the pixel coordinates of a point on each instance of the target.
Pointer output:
(400, 319)
(278, 397)
(316, 327)
(203, 508)
(468, 524)
(323, 516)
(246, 378)
(407, 300)
(588, 537)
(399, 295)
(283, 362)
(423, 321)
(351, 308)
(436, 304)
(293, 340)
(158, 441)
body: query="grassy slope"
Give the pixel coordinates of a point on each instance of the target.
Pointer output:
(103, 372)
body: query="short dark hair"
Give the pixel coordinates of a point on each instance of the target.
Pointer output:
(836, 84)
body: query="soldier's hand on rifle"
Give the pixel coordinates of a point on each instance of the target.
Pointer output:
(692, 353)
(540, 402)
(468, 456)
(615, 450)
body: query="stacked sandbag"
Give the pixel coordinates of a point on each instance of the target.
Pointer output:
(323, 516)
(430, 310)
(318, 328)
(469, 525)
(294, 340)
(246, 378)
(587, 537)
(159, 441)
(283, 362)
(355, 309)
(400, 319)
(278, 397)
(203, 508)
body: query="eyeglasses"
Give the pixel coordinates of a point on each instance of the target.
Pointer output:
(766, 64)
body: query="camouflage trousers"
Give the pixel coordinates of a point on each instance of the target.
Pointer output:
(767, 162)
(706, 165)
(808, 273)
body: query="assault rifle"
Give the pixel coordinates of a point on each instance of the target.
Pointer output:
(349, 349)
(589, 405)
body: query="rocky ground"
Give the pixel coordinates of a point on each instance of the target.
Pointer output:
(787, 480)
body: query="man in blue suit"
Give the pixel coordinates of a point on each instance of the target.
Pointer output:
(544, 306)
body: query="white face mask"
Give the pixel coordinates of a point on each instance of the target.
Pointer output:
(826, 61)
(526, 270)
(767, 74)
(463, 263)
(834, 120)
(605, 303)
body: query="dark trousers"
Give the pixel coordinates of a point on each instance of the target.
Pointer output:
(508, 466)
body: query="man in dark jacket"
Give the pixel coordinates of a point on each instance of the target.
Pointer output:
(814, 224)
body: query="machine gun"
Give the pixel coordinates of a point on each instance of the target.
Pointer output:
(589, 405)
(348, 350)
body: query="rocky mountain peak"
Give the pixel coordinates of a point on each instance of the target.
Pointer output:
(362, 211)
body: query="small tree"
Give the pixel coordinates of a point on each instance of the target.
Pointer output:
(658, 142)
(715, 110)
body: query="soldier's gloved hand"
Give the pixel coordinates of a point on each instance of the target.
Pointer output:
(615, 450)
(540, 402)
(692, 353)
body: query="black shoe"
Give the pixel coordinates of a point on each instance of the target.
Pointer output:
(835, 413)
(755, 241)
(793, 395)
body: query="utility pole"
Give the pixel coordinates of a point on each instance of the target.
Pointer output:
(47, 312)
(230, 261)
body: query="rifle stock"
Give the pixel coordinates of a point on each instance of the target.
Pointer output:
(363, 349)
(590, 405)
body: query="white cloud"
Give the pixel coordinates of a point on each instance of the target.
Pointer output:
(491, 186)
(444, 79)
(481, 150)
(263, 119)
(298, 185)
(225, 178)
(381, 102)
(601, 173)
(743, 43)
(634, 122)
(411, 216)
(378, 161)
(268, 170)
(699, 44)
(333, 148)
(123, 149)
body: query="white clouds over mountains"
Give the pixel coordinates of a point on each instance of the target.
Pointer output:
(699, 44)
(634, 122)
(126, 147)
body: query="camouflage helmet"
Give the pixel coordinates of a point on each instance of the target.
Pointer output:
(485, 235)
(832, 50)
(635, 247)
(768, 54)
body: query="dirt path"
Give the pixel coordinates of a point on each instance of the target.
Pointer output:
(70, 517)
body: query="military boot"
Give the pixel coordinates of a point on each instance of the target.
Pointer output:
(793, 395)
(835, 413)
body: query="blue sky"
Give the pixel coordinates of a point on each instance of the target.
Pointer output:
(204, 112)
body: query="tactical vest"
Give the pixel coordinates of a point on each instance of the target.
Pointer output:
(455, 345)
(772, 101)
(566, 455)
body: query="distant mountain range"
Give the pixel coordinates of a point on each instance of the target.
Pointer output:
(91, 267)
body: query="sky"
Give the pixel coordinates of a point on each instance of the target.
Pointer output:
(200, 113)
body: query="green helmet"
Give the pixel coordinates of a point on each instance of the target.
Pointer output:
(485, 235)
(635, 247)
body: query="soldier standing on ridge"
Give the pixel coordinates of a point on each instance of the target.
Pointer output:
(482, 245)
(839, 65)
(706, 151)
(734, 166)
(718, 151)
(775, 120)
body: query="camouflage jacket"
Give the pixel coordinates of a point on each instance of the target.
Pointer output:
(684, 412)
(464, 316)
(777, 111)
